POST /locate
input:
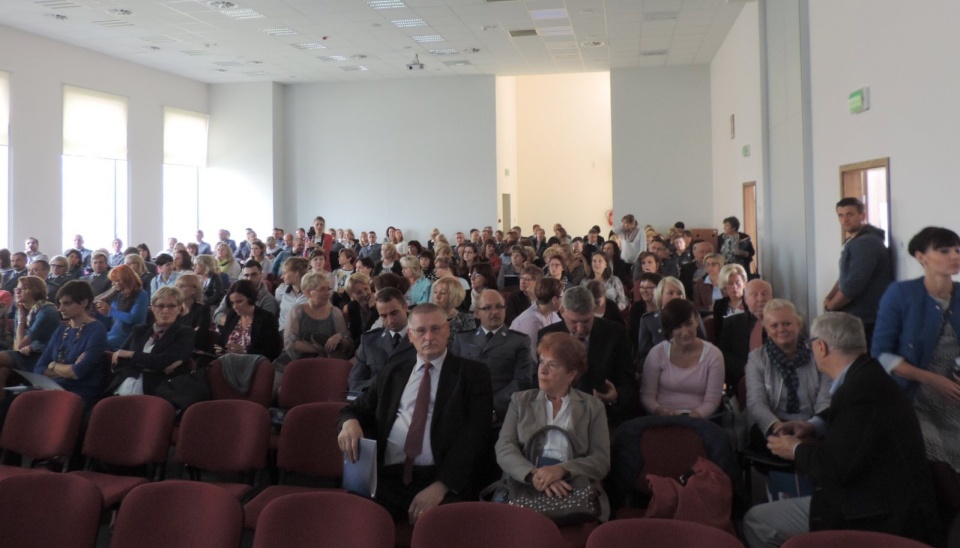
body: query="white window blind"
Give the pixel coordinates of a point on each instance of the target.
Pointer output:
(4, 109)
(184, 137)
(94, 124)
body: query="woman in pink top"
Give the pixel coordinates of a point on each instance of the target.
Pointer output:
(683, 374)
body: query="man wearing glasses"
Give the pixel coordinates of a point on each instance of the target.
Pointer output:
(505, 352)
(431, 415)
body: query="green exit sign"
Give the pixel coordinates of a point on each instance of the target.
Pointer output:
(859, 101)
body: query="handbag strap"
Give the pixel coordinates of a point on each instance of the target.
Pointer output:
(530, 453)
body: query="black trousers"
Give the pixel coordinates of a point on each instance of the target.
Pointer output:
(396, 496)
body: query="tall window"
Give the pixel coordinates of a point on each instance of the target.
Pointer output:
(94, 170)
(184, 155)
(4, 156)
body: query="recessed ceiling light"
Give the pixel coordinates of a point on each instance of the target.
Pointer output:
(523, 32)
(555, 31)
(653, 53)
(423, 39)
(221, 5)
(242, 14)
(592, 44)
(406, 23)
(459, 63)
(310, 45)
(281, 31)
(158, 39)
(335, 58)
(358, 56)
(444, 51)
(120, 11)
(354, 68)
(385, 4)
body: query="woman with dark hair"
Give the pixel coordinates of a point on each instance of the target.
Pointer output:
(74, 264)
(182, 261)
(258, 252)
(683, 375)
(471, 256)
(414, 248)
(145, 253)
(361, 310)
(481, 277)
(601, 271)
(561, 462)
(426, 264)
(916, 340)
(248, 329)
(123, 306)
(620, 268)
(492, 255)
(35, 321)
(648, 262)
(72, 356)
(5, 262)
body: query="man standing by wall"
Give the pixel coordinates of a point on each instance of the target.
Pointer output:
(865, 270)
(631, 244)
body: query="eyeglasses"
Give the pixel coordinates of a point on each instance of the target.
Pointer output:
(58, 265)
(496, 307)
(433, 329)
(17, 289)
(166, 306)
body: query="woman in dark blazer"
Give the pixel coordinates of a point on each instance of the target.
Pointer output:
(248, 329)
(155, 351)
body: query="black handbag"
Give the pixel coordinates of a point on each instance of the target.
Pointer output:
(185, 390)
(580, 505)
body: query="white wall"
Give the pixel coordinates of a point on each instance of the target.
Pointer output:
(564, 151)
(662, 158)
(237, 188)
(412, 153)
(908, 59)
(39, 68)
(735, 90)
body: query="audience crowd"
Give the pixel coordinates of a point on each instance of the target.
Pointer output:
(465, 348)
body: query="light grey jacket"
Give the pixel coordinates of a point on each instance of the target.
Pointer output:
(766, 391)
(588, 430)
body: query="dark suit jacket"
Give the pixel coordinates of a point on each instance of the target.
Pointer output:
(871, 470)
(264, 333)
(734, 342)
(506, 354)
(517, 303)
(176, 344)
(460, 422)
(375, 353)
(719, 312)
(686, 278)
(608, 358)
(396, 268)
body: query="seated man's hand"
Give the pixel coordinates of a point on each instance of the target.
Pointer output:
(783, 446)
(610, 396)
(349, 439)
(431, 497)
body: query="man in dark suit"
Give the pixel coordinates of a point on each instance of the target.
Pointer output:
(870, 467)
(431, 415)
(505, 352)
(98, 277)
(743, 333)
(18, 269)
(155, 351)
(384, 346)
(610, 371)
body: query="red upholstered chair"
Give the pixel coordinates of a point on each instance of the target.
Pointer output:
(126, 431)
(339, 519)
(308, 445)
(846, 539)
(261, 384)
(226, 436)
(484, 524)
(42, 425)
(313, 380)
(59, 510)
(659, 533)
(178, 514)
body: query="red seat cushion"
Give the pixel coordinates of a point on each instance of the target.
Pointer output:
(238, 490)
(11, 471)
(252, 509)
(112, 488)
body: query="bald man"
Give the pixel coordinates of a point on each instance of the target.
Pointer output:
(743, 333)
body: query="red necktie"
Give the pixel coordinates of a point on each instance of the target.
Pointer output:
(418, 425)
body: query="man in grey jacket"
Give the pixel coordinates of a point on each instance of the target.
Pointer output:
(865, 267)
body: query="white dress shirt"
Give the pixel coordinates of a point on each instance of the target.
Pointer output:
(398, 434)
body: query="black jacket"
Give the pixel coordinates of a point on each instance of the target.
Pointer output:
(264, 333)
(176, 344)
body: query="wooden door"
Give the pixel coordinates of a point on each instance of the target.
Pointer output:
(749, 225)
(869, 182)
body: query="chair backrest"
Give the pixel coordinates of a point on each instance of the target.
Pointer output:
(178, 514)
(129, 430)
(843, 539)
(261, 384)
(224, 436)
(742, 393)
(659, 533)
(668, 451)
(43, 424)
(483, 524)
(313, 380)
(710, 329)
(340, 519)
(308, 440)
(59, 510)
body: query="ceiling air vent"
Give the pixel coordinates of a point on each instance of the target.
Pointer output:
(523, 32)
(653, 52)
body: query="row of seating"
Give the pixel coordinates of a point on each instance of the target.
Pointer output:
(63, 510)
